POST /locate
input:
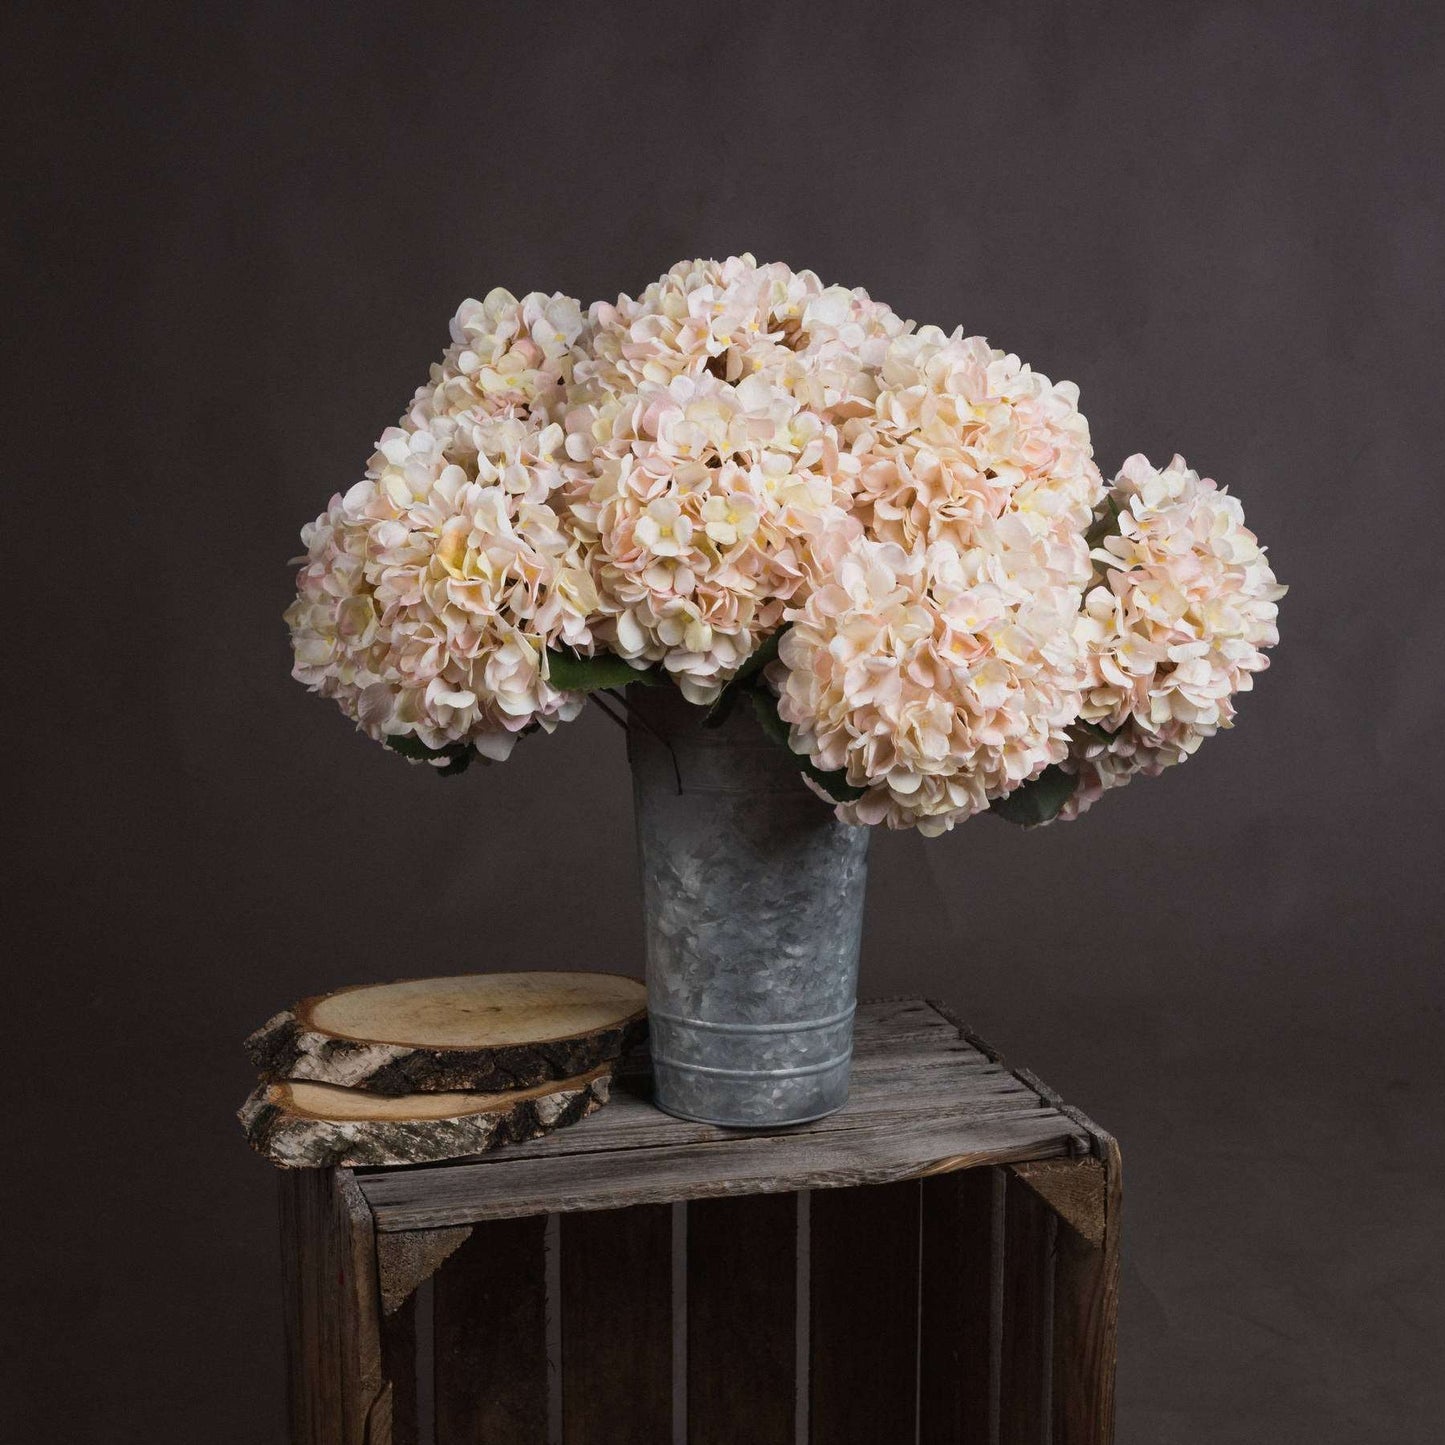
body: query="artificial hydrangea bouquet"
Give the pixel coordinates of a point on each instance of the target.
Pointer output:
(892, 540)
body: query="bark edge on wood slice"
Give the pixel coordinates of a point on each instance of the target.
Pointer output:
(487, 1031)
(301, 1125)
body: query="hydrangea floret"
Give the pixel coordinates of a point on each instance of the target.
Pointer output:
(893, 539)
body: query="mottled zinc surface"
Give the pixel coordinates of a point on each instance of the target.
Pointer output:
(754, 910)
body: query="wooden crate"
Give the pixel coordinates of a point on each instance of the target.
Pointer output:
(936, 1263)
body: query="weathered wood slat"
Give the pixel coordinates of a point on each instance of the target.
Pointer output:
(630, 1121)
(1075, 1189)
(863, 1319)
(899, 1019)
(617, 1327)
(1086, 1303)
(885, 1053)
(755, 1164)
(876, 1070)
(940, 1081)
(961, 1028)
(956, 1279)
(404, 1261)
(1027, 1282)
(932, 1064)
(873, 1052)
(393, 1416)
(880, 1031)
(313, 1358)
(341, 1389)
(741, 1320)
(922, 1064)
(888, 1024)
(489, 1337)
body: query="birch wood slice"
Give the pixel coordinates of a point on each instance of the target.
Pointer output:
(299, 1125)
(486, 1031)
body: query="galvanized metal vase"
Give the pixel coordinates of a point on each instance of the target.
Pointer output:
(753, 899)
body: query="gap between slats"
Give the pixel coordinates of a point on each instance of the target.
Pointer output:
(1019, 1305)
(1026, 1350)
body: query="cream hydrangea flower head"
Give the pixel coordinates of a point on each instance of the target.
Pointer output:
(961, 435)
(507, 358)
(1177, 624)
(705, 418)
(935, 679)
(431, 590)
(733, 318)
(979, 472)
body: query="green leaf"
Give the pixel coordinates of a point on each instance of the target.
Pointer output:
(416, 750)
(766, 652)
(1038, 800)
(747, 676)
(835, 785)
(1092, 729)
(766, 707)
(1105, 523)
(571, 673)
(458, 755)
(722, 709)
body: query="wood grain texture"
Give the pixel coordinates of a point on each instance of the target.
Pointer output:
(1086, 1319)
(342, 1385)
(489, 1338)
(951, 1078)
(887, 1022)
(956, 1280)
(924, 1100)
(617, 1327)
(863, 1320)
(392, 1419)
(300, 1125)
(962, 1029)
(1027, 1284)
(403, 1261)
(742, 1320)
(763, 1164)
(486, 1032)
(1075, 1189)
(313, 1354)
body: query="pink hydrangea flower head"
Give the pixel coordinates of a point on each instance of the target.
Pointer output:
(705, 419)
(431, 590)
(1183, 607)
(924, 680)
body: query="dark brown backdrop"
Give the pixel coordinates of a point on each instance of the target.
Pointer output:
(239, 234)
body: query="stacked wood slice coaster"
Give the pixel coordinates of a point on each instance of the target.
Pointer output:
(437, 1068)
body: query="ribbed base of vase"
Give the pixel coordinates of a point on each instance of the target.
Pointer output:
(750, 1101)
(741, 1124)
